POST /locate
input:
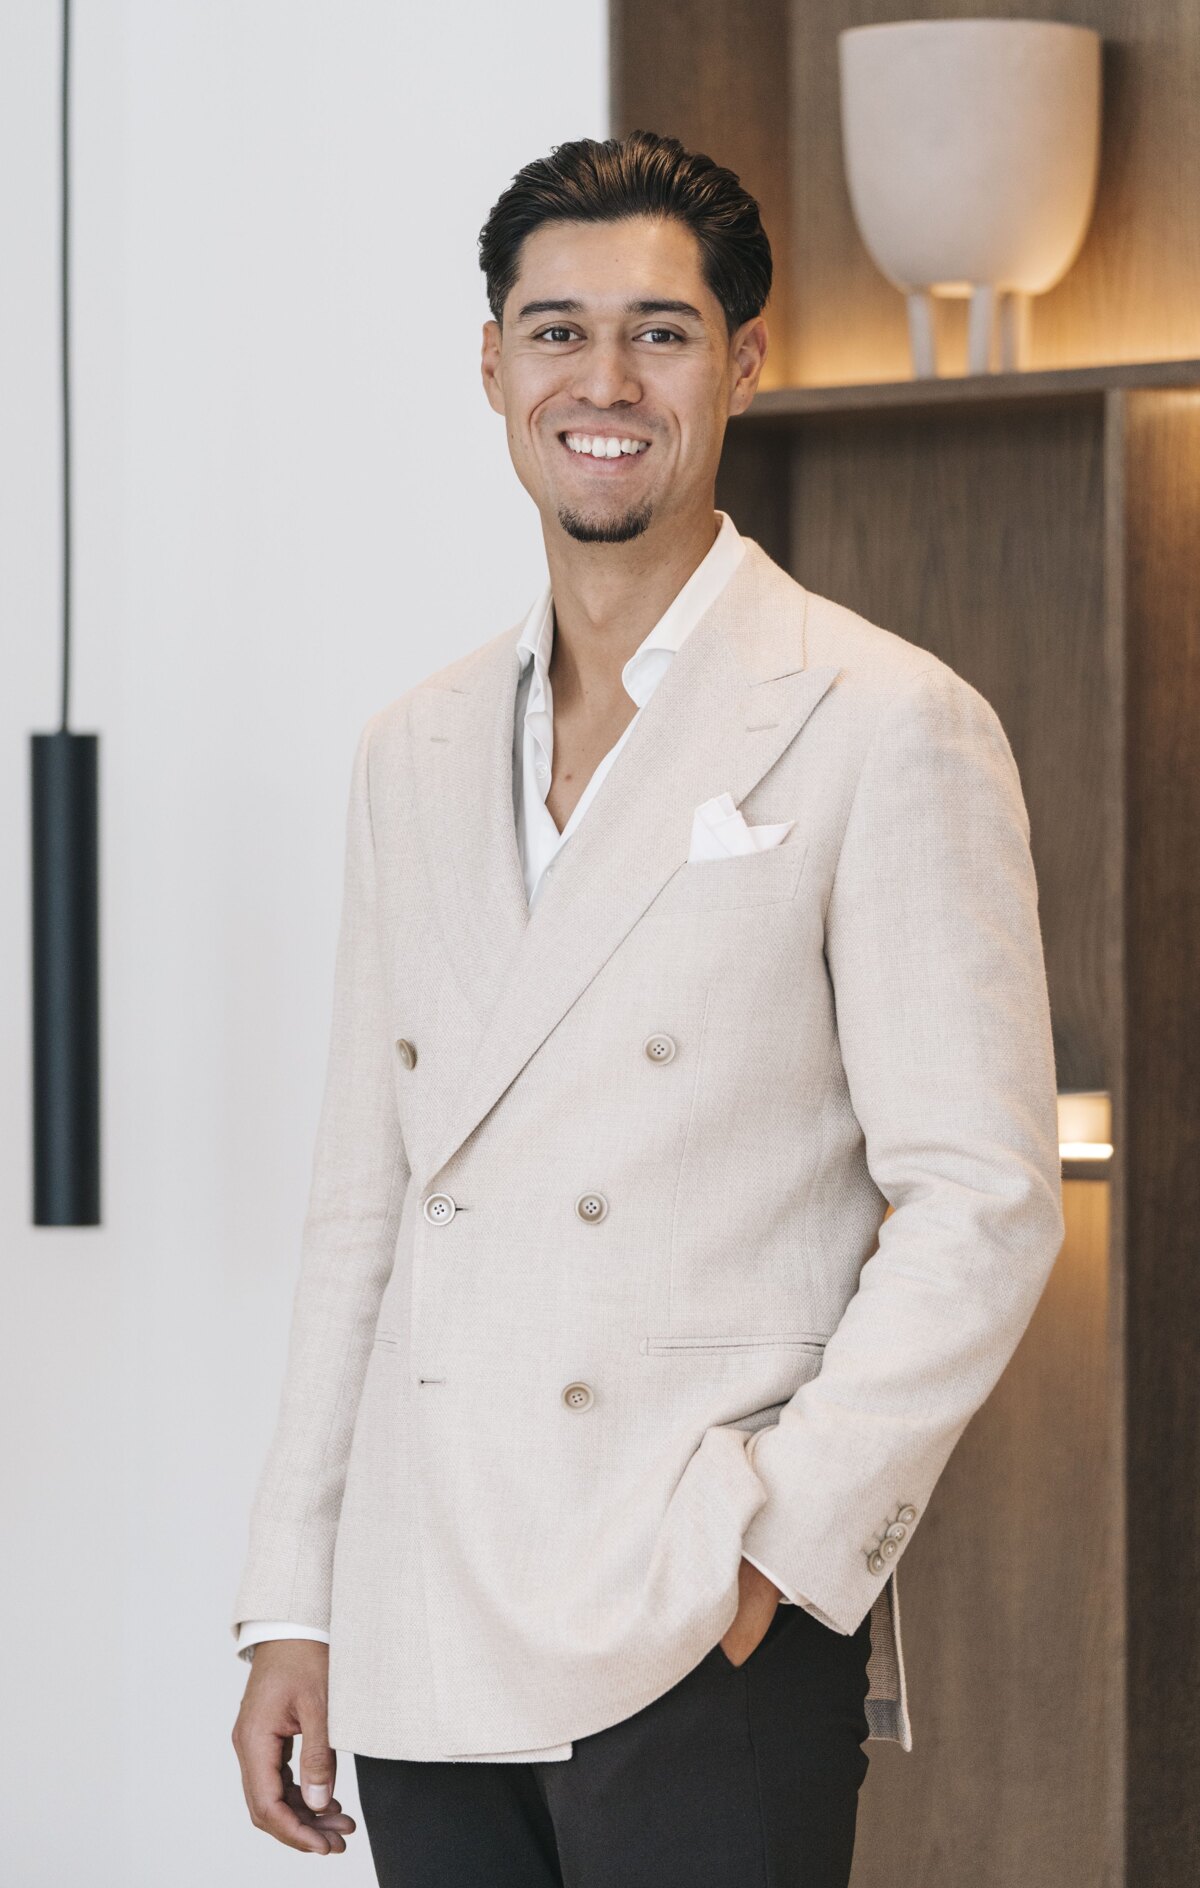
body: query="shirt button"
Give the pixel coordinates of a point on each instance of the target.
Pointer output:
(591, 1206)
(542, 769)
(578, 1396)
(439, 1209)
(659, 1048)
(408, 1054)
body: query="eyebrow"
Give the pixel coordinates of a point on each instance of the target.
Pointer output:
(641, 307)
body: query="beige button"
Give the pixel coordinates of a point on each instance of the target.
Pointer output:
(578, 1396)
(659, 1048)
(876, 1562)
(591, 1206)
(897, 1531)
(439, 1209)
(888, 1547)
(408, 1054)
(907, 1513)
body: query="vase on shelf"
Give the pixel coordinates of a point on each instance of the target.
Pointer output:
(971, 150)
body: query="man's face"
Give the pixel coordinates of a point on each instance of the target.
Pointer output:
(611, 335)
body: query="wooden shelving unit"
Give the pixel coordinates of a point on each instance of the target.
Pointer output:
(1041, 532)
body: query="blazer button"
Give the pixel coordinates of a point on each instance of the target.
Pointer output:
(888, 1548)
(659, 1048)
(578, 1396)
(876, 1562)
(591, 1206)
(408, 1054)
(907, 1513)
(897, 1531)
(439, 1209)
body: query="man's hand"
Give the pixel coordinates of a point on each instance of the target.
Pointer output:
(757, 1599)
(286, 1697)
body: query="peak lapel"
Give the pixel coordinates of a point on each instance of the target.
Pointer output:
(734, 697)
(463, 744)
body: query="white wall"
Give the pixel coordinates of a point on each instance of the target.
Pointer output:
(292, 502)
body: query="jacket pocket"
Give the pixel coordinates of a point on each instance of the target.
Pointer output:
(745, 878)
(772, 1340)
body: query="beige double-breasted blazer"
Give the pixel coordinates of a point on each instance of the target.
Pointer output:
(596, 1288)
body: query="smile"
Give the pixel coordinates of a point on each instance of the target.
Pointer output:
(604, 448)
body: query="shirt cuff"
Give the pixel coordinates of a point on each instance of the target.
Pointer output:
(252, 1631)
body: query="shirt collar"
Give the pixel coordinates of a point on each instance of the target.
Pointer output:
(677, 621)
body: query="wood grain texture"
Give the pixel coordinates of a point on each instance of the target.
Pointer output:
(1016, 1536)
(1161, 1049)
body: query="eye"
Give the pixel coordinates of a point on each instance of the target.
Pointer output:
(560, 331)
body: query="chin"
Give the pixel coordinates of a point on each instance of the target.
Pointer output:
(620, 528)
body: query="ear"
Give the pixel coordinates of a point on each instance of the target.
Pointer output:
(748, 352)
(489, 365)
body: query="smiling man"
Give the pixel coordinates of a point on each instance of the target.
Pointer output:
(688, 924)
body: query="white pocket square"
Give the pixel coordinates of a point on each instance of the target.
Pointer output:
(720, 832)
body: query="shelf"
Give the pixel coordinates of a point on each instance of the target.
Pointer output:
(1043, 386)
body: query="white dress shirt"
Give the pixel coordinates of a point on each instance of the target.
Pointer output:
(539, 838)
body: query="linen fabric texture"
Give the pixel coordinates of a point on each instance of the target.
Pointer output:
(860, 1018)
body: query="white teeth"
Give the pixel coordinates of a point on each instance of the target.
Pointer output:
(603, 446)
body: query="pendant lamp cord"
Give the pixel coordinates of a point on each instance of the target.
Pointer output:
(66, 375)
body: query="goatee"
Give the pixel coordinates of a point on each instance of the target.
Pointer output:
(612, 531)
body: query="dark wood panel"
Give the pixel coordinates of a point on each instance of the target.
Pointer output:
(982, 537)
(1009, 1595)
(1161, 1052)
(754, 487)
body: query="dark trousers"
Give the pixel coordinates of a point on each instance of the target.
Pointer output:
(740, 1776)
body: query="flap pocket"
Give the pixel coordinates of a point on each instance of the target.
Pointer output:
(792, 1340)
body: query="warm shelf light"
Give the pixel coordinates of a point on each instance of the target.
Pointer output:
(1085, 1124)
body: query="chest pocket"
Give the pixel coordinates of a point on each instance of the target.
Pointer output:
(745, 879)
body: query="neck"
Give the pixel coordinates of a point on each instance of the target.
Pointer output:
(608, 597)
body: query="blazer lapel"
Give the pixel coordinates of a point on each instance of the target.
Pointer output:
(463, 761)
(735, 695)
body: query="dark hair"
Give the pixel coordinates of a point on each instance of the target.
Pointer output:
(641, 174)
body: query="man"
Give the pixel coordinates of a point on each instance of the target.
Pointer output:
(688, 926)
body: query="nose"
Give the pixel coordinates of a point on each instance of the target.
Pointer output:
(604, 376)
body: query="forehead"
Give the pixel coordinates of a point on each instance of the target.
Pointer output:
(606, 265)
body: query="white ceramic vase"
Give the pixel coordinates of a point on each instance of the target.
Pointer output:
(971, 150)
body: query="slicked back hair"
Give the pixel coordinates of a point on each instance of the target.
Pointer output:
(641, 174)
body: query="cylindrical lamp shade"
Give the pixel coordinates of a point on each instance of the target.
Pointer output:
(66, 980)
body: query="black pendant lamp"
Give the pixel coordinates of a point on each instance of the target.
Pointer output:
(65, 827)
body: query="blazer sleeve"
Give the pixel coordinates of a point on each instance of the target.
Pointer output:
(359, 1176)
(934, 952)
